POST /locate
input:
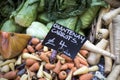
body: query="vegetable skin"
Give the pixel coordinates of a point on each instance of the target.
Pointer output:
(108, 17)
(90, 47)
(114, 74)
(114, 30)
(94, 58)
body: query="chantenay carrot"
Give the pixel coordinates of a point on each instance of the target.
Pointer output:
(87, 76)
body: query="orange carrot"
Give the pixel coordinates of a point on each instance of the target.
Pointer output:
(35, 41)
(30, 48)
(10, 75)
(67, 65)
(82, 61)
(70, 65)
(48, 53)
(68, 59)
(77, 62)
(64, 67)
(49, 66)
(38, 46)
(74, 69)
(25, 50)
(84, 52)
(57, 67)
(30, 61)
(87, 76)
(81, 65)
(1, 75)
(34, 67)
(17, 78)
(44, 57)
(62, 75)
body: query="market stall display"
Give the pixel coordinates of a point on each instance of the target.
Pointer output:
(25, 24)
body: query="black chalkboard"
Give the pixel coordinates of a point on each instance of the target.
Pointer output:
(64, 40)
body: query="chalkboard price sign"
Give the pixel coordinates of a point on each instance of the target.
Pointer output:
(64, 40)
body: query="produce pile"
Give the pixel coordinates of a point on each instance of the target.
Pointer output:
(24, 25)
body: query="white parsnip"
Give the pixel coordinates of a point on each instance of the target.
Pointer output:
(27, 55)
(40, 71)
(19, 60)
(5, 69)
(108, 62)
(99, 20)
(94, 58)
(114, 74)
(24, 77)
(108, 17)
(91, 47)
(103, 33)
(115, 37)
(118, 77)
(69, 77)
(7, 62)
(12, 66)
(47, 75)
(85, 69)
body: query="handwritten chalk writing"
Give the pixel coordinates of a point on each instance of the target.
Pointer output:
(67, 53)
(62, 44)
(64, 40)
(67, 33)
(51, 42)
(65, 36)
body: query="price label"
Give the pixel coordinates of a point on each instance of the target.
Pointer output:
(64, 40)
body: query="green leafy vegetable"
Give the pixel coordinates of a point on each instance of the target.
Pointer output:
(88, 16)
(27, 14)
(10, 26)
(38, 30)
(7, 7)
(43, 18)
(65, 8)
(69, 22)
(41, 6)
(49, 25)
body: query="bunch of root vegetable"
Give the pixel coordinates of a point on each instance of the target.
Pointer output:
(38, 62)
(107, 33)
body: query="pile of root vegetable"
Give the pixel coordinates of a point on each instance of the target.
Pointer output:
(98, 59)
